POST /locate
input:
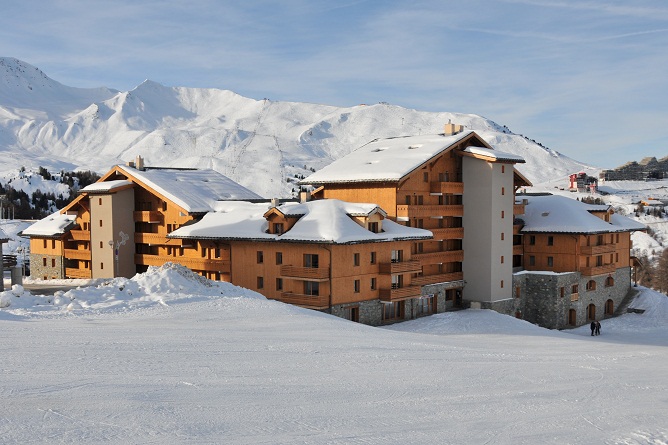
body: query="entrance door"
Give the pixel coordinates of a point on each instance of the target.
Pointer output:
(572, 317)
(591, 312)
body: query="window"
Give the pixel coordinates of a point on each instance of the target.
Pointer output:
(591, 285)
(609, 282)
(397, 281)
(502, 236)
(356, 259)
(419, 223)
(425, 305)
(352, 313)
(101, 245)
(419, 247)
(100, 223)
(373, 227)
(357, 286)
(503, 169)
(279, 283)
(550, 241)
(503, 214)
(397, 256)
(425, 177)
(278, 228)
(562, 291)
(373, 283)
(53, 243)
(279, 257)
(408, 199)
(532, 260)
(419, 200)
(501, 284)
(532, 240)
(45, 244)
(373, 258)
(311, 260)
(101, 266)
(599, 260)
(574, 289)
(518, 291)
(53, 262)
(260, 282)
(311, 288)
(550, 261)
(99, 201)
(501, 259)
(216, 252)
(260, 257)
(203, 252)
(393, 311)
(44, 262)
(609, 307)
(503, 190)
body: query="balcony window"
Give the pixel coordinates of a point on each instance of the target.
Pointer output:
(279, 283)
(357, 286)
(397, 256)
(260, 257)
(373, 258)
(311, 260)
(311, 288)
(279, 258)
(356, 259)
(278, 228)
(373, 283)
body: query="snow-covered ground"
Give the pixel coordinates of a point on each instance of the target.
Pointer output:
(168, 357)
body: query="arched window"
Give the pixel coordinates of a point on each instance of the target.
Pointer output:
(609, 282)
(591, 285)
(609, 307)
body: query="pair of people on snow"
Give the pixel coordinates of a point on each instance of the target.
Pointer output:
(595, 328)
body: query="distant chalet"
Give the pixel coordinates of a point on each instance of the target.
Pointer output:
(647, 169)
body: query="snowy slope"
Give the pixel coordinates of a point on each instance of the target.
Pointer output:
(168, 357)
(259, 143)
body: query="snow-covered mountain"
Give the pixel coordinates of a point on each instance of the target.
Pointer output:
(262, 144)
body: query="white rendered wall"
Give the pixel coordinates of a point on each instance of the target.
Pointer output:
(487, 214)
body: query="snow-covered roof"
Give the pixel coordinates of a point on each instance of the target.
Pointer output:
(558, 214)
(3, 237)
(195, 191)
(53, 225)
(350, 208)
(494, 154)
(106, 186)
(322, 221)
(385, 159)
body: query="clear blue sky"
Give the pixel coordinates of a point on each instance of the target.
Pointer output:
(586, 78)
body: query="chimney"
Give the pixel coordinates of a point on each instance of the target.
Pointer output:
(275, 202)
(139, 163)
(451, 128)
(304, 196)
(130, 164)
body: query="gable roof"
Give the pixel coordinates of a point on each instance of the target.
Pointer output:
(195, 191)
(321, 221)
(558, 214)
(53, 225)
(389, 160)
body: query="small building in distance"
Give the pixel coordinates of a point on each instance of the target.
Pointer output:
(583, 183)
(649, 168)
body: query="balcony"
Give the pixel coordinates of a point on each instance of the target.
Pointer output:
(450, 256)
(307, 301)
(518, 209)
(149, 216)
(598, 250)
(446, 188)
(575, 297)
(74, 254)
(204, 264)
(77, 273)
(400, 267)
(440, 278)
(518, 250)
(598, 270)
(80, 235)
(401, 293)
(448, 233)
(426, 211)
(305, 273)
(156, 239)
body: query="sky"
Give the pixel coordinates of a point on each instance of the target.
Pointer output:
(585, 78)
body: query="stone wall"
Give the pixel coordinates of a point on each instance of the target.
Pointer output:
(38, 270)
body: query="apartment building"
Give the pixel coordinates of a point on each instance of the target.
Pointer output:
(456, 186)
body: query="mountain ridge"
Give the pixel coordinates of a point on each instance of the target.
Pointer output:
(262, 144)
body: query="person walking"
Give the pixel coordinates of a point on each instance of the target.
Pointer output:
(593, 327)
(598, 328)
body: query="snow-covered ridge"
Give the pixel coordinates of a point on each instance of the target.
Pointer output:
(264, 145)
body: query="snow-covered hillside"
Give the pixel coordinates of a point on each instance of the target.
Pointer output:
(262, 144)
(168, 357)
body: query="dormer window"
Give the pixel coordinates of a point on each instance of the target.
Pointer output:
(278, 228)
(374, 227)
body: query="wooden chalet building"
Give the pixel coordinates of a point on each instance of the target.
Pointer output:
(454, 185)
(576, 261)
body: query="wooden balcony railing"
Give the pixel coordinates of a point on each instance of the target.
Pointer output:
(448, 233)
(205, 264)
(450, 256)
(149, 216)
(598, 250)
(71, 272)
(598, 270)
(74, 254)
(401, 293)
(425, 211)
(156, 239)
(440, 278)
(80, 235)
(307, 301)
(575, 297)
(400, 267)
(518, 209)
(305, 273)
(449, 188)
